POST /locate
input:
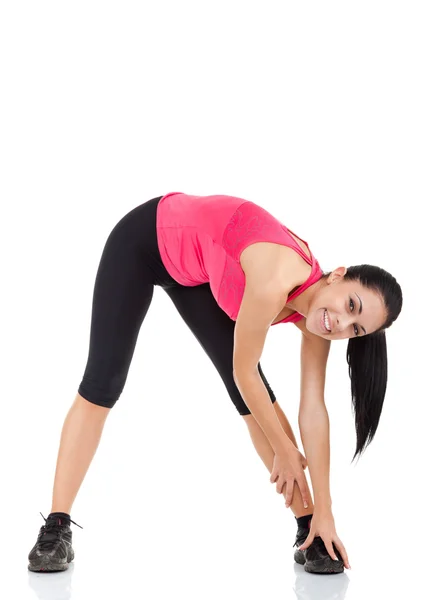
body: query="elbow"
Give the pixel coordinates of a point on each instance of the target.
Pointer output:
(236, 378)
(241, 375)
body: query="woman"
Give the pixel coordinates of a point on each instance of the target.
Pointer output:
(232, 270)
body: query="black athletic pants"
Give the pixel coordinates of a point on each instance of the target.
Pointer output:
(129, 268)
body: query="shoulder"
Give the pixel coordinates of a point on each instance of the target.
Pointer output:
(266, 261)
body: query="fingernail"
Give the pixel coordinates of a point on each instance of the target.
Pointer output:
(305, 505)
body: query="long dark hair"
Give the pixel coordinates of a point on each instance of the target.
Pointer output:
(367, 355)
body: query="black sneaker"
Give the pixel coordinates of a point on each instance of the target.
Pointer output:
(53, 550)
(316, 558)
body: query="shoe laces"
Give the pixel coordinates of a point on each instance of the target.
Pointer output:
(51, 532)
(300, 534)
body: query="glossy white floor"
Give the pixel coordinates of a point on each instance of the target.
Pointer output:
(224, 533)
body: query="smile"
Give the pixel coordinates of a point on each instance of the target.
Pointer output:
(325, 322)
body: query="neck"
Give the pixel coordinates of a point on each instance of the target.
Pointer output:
(304, 300)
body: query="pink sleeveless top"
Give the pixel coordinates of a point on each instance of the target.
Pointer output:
(200, 240)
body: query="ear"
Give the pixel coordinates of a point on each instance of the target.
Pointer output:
(337, 274)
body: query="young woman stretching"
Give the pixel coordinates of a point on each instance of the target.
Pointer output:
(232, 270)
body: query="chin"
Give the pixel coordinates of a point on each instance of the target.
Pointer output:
(311, 327)
(313, 324)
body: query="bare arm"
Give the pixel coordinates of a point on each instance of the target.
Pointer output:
(313, 418)
(259, 307)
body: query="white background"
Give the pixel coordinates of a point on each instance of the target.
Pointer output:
(329, 115)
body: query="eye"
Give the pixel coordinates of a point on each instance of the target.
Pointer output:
(351, 302)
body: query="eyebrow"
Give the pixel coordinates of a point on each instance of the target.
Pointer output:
(360, 310)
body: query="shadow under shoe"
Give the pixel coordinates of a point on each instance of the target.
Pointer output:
(316, 558)
(53, 550)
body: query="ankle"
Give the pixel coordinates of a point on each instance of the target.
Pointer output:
(58, 513)
(303, 512)
(304, 521)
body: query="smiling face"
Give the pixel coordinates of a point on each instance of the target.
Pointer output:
(352, 309)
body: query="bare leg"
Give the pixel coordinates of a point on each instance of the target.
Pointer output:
(80, 438)
(267, 455)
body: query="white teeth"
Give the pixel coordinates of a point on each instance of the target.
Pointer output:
(326, 322)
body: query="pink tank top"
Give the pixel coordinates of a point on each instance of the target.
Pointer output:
(201, 238)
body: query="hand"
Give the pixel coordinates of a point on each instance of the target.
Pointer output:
(322, 524)
(288, 467)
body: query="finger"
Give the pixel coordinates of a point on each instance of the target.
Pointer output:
(307, 542)
(342, 551)
(284, 492)
(304, 491)
(280, 484)
(289, 491)
(330, 548)
(273, 477)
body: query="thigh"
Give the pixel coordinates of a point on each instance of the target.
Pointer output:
(123, 291)
(214, 330)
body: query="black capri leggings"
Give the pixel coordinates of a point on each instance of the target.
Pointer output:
(129, 268)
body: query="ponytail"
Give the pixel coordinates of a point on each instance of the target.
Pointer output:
(368, 371)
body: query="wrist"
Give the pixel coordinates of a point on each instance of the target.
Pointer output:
(284, 446)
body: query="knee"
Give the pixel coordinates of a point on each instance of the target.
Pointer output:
(92, 408)
(104, 396)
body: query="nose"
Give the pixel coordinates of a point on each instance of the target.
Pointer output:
(343, 322)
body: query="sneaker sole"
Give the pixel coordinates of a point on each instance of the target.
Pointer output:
(299, 557)
(328, 566)
(45, 565)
